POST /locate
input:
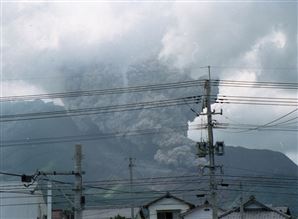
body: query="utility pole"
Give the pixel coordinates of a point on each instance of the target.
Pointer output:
(79, 199)
(241, 202)
(130, 166)
(49, 200)
(209, 148)
(78, 182)
(212, 183)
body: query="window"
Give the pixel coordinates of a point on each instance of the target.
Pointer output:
(165, 215)
(170, 214)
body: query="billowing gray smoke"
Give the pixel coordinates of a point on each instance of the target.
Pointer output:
(56, 47)
(172, 143)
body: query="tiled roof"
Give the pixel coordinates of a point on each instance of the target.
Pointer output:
(254, 209)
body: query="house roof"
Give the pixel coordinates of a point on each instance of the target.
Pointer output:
(283, 209)
(205, 205)
(168, 195)
(253, 205)
(93, 213)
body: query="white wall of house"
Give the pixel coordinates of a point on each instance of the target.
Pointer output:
(166, 204)
(108, 213)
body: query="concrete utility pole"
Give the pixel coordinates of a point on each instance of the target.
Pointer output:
(78, 182)
(130, 166)
(49, 200)
(241, 203)
(79, 200)
(212, 183)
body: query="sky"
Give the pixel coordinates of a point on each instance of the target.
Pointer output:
(248, 41)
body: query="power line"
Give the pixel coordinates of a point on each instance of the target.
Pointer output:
(102, 110)
(136, 106)
(10, 174)
(278, 183)
(249, 181)
(92, 137)
(271, 122)
(162, 178)
(131, 133)
(141, 88)
(254, 84)
(136, 132)
(256, 102)
(253, 97)
(151, 87)
(255, 67)
(108, 201)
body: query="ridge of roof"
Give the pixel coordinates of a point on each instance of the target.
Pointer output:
(204, 205)
(168, 195)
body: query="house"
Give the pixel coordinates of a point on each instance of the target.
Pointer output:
(21, 202)
(107, 213)
(165, 207)
(201, 212)
(253, 209)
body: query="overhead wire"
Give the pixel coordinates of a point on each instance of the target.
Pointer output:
(138, 132)
(135, 106)
(271, 122)
(160, 193)
(151, 87)
(102, 110)
(135, 132)
(177, 178)
(255, 84)
(92, 137)
(249, 181)
(119, 90)
(255, 67)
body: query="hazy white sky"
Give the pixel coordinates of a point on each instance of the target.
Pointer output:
(40, 38)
